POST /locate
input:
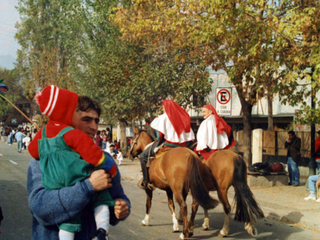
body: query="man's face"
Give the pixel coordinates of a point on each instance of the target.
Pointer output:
(291, 136)
(206, 113)
(87, 121)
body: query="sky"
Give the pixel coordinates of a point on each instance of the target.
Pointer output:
(8, 18)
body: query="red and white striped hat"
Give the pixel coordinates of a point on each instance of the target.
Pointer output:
(57, 104)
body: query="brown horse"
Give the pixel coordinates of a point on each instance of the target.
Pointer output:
(175, 172)
(223, 169)
(229, 169)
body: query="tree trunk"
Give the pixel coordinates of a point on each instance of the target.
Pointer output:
(247, 111)
(123, 137)
(247, 153)
(270, 118)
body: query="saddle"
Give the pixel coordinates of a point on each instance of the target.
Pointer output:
(161, 150)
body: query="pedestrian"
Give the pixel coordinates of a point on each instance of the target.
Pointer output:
(52, 207)
(19, 137)
(104, 139)
(313, 182)
(109, 134)
(173, 129)
(317, 151)
(59, 148)
(10, 137)
(119, 156)
(26, 140)
(293, 143)
(98, 139)
(112, 151)
(213, 133)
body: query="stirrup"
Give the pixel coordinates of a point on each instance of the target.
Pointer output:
(151, 186)
(140, 184)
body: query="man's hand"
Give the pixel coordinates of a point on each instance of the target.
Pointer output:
(121, 209)
(318, 182)
(100, 180)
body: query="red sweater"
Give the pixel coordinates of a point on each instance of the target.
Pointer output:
(77, 140)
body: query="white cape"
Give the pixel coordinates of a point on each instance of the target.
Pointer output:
(207, 135)
(163, 125)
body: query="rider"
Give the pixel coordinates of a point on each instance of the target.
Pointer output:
(173, 129)
(213, 134)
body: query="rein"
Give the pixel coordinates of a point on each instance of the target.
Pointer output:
(134, 141)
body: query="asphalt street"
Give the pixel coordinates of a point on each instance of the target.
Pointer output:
(17, 218)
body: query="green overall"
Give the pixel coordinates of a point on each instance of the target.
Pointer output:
(62, 167)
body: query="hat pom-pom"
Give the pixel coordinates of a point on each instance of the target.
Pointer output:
(37, 98)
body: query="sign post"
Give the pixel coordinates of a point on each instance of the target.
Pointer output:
(223, 103)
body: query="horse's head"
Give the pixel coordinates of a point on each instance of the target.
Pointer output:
(138, 144)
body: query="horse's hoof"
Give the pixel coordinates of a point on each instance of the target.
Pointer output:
(253, 232)
(222, 234)
(144, 223)
(204, 228)
(181, 237)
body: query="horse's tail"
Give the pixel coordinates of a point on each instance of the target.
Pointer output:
(196, 184)
(247, 209)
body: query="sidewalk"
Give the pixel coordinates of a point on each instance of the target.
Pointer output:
(282, 203)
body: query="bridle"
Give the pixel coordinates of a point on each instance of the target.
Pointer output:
(133, 142)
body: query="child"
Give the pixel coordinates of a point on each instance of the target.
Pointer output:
(68, 155)
(119, 156)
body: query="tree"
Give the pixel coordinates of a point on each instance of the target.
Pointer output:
(246, 39)
(11, 79)
(42, 59)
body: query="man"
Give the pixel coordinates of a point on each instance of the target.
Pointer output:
(52, 207)
(293, 143)
(313, 181)
(19, 137)
(213, 134)
(317, 151)
(173, 129)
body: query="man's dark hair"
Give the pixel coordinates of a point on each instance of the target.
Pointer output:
(292, 133)
(147, 121)
(108, 129)
(86, 103)
(98, 132)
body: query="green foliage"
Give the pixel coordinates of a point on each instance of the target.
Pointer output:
(11, 79)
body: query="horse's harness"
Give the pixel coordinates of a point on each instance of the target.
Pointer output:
(135, 140)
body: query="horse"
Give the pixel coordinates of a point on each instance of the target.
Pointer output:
(176, 171)
(228, 168)
(225, 168)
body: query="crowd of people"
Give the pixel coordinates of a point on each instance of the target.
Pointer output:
(22, 136)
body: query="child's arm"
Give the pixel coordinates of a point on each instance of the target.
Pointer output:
(33, 146)
(81, 143)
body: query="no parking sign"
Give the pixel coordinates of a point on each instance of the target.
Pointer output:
(223, 101)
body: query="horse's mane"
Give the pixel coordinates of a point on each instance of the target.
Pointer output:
(141, 130)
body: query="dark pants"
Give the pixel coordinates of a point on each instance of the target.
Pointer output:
(149, 151)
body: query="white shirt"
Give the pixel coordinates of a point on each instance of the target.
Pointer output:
(207, 135)
(119, 156)
(163, 125)
(26, 140)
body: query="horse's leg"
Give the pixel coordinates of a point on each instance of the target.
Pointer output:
(181, 200)
(195, 206)
(251, 229)
(172, 209)
(222, 194)
(145, 221)
(205, 225)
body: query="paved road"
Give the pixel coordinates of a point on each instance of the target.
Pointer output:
(17, 222)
